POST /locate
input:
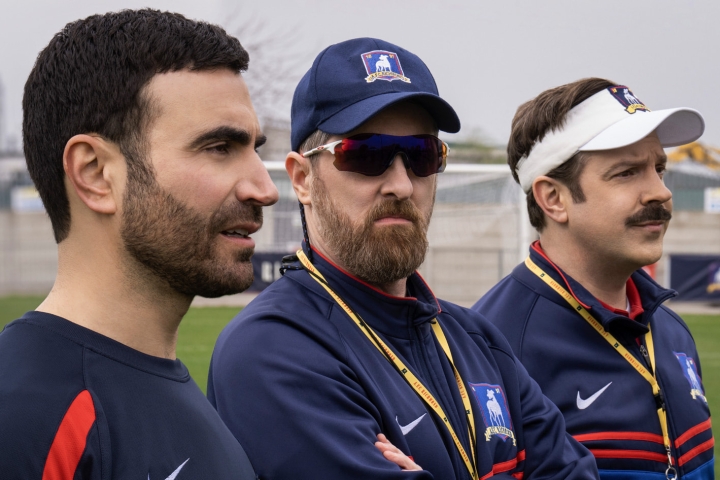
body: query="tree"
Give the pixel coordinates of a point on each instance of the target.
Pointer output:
(277, 62)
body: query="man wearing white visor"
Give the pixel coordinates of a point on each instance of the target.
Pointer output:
(580, 313)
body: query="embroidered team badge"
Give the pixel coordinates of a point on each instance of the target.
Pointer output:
(496, 415)
(713, 278)
(383, 65)
(687, 364)
(626, 98)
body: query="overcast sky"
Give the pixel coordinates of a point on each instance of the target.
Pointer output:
(487, 57)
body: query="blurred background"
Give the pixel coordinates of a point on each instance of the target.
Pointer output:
(487, 58)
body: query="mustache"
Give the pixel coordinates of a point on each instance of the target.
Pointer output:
(395, 208)
(654, 212)
(235, 213)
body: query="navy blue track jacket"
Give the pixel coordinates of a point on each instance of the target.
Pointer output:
(76, 405)
(607, 404)
(306, 392)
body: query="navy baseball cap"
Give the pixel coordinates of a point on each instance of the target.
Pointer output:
(349, 82)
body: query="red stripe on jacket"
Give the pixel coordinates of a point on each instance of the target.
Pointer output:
(640, 436)
(694, 452)
(70, 440)
(649, 437)
(635, 454)
(505, 466)
(699, 428)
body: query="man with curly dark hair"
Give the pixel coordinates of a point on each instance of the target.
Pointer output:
(141, 138)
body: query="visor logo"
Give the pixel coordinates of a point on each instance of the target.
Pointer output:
(626, 98)
(383, 65)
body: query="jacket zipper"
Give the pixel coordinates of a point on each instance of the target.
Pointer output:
(423, 365)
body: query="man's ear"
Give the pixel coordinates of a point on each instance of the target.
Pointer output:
(552, 196)
(299, 169)
(94, 168)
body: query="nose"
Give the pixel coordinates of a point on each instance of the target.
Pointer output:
(657, 191)
(256, 186)
(396, 179)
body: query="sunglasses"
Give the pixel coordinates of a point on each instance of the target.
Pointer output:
(372, 153)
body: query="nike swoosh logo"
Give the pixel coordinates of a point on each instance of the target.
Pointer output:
(583, 404)
(407, 428)
(176, 472)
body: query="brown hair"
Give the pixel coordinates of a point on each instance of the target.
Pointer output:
(317, 138)
(543, 114)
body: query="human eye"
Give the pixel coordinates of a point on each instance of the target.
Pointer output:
(661, 169)
(222, 148)
(629, 172)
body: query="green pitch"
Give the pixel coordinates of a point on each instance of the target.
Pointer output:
(201, 326)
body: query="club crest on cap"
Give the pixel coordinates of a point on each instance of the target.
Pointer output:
(626, 98)
(383, 65)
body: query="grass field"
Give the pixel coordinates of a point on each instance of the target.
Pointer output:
(196, 339)
(201, 326)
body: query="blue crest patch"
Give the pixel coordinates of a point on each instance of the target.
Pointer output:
(689, 369)
(713, 277)
(626, 98)
(495, 412)
(383, 65)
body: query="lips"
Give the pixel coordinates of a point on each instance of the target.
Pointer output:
(237, 220)
(395, 210)
(237, 232)
(393, 217)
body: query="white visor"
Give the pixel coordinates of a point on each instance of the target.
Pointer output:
(612, 118)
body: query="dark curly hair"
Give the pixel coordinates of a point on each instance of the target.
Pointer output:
(90, 79)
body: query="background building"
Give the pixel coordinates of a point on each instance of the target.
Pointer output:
(478, 233)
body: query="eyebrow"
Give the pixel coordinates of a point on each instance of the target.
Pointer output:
(662, 159)
(228, 134)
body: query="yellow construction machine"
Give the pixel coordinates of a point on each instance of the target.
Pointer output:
(697, 152)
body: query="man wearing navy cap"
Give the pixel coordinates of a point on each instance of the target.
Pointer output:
(351, 342)
(580, 313)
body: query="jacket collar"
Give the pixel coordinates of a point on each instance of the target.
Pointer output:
(651, 294)
(391, 315)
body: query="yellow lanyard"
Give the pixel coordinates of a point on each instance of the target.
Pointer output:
(407, 374)
(650, 377)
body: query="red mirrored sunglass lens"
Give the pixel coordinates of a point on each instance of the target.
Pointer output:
(372, 153)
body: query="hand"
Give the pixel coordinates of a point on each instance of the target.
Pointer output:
(394, 454)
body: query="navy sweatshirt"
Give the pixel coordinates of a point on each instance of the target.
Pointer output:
(607, 404)
(75, 404)
(306, 392)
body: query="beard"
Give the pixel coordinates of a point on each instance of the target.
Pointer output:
(175, 243)
(378, 255)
